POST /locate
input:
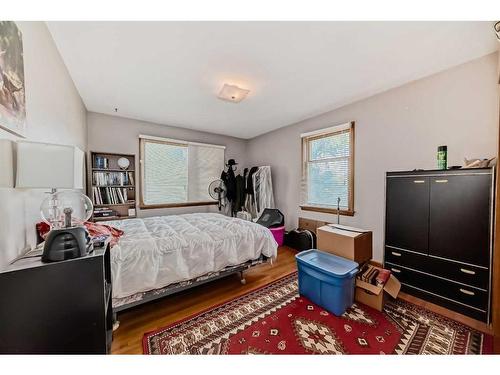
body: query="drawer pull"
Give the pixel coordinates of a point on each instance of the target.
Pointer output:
(395, 254)
(419, 181)
(468, 292)
(395, 270)
(470, 272)
(441, 181)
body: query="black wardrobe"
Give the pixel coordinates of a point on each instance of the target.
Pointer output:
(438, 236)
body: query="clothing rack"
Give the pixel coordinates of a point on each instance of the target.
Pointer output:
(250, 192)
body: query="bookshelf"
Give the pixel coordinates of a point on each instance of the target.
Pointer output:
(111, 188)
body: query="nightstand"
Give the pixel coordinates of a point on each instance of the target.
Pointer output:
(62, 307)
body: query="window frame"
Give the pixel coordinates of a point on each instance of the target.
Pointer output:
(144, 206)
(306, 139)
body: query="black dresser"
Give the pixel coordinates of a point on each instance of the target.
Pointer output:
(438, 236)
(62, 307)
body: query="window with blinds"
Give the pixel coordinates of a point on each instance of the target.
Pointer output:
(328, 161)
(177, 172)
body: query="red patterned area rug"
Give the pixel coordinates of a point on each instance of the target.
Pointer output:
(274, 319)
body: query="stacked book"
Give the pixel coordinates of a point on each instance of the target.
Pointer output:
(109, 195)
(373, 275)
(113, 178)
(101, 162)
(104, 212)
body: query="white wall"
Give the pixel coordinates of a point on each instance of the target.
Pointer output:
(396, 130)
(55, 113)
(121, 135)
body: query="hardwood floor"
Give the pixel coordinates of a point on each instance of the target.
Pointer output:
(135, 322)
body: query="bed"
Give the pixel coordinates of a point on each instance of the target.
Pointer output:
(158, 256)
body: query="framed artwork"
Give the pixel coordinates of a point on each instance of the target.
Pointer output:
(12, 89)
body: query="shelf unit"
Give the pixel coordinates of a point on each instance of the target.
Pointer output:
(121, 210)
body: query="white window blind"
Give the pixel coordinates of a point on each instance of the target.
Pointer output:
(327, 172)
(175, 172)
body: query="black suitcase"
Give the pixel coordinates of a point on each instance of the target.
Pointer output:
(300, 239)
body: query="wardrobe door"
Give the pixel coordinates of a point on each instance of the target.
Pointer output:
(407, 213)
(460, 218)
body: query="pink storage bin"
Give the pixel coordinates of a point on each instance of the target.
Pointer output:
(279, 234)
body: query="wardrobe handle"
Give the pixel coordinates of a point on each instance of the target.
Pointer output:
(468, 292)
(419, 181)
(395, 254)
(395, 270)
(441, 181)
(470, 272)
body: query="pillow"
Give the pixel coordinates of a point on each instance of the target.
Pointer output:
(94, 229)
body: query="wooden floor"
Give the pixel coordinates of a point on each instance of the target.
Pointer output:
(135, 322)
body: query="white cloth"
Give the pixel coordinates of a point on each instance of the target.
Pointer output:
(155, 252)
(263, 189)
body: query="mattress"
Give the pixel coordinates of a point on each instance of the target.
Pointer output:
(158, 251)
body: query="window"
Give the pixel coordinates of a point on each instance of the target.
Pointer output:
(328, 163)
(177, 173)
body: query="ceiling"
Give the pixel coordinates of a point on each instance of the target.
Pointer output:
(171, 72)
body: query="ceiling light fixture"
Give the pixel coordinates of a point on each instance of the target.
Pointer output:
(232, 93)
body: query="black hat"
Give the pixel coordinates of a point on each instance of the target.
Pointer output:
(231, 162)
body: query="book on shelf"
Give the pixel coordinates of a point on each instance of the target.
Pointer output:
(105, 214)
(112, 178)
(109, 195)
(100, 162)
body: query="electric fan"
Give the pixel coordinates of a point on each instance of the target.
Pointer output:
(217, 191)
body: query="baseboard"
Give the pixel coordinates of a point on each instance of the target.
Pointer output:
(375, 263)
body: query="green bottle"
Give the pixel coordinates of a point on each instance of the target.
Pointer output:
(442, 157)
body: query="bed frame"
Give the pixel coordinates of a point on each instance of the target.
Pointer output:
(121, 304)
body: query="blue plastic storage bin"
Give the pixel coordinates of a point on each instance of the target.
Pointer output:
(327, 280)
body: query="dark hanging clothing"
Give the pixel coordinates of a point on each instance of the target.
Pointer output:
(230, 182)
(239, 202)
(249, 184)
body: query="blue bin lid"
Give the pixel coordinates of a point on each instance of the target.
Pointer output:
(326, 262)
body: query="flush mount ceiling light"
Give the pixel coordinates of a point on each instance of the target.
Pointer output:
(232, 93)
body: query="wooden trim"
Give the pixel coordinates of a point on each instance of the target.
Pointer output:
(141, 174)
(327, 210)
(305, 160)
(375, 263)
(351, 170)
(174, 205)
(112, 154)
(495, 285)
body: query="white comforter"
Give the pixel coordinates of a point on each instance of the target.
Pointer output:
(157, 251)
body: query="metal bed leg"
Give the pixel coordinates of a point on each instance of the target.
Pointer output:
(116, 322)
(243, 281)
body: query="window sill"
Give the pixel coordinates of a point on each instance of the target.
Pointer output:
(176, 205)
(327, 210)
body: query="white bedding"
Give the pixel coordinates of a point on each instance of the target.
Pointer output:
(157, 251)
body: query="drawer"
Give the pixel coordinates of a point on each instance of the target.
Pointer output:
(470, 275)
(455, 306)
(456, 292)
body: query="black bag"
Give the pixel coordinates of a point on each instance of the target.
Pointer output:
(300, 239)
(271, 218)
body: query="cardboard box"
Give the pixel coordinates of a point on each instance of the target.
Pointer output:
(375, 296)
(348, 242)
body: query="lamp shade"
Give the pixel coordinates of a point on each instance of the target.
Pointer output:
(43, 165)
